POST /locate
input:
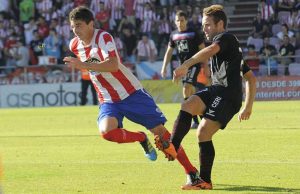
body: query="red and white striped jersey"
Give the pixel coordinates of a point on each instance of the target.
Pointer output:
(110, 86)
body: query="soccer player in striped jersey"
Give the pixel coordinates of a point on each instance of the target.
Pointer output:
(120, 93)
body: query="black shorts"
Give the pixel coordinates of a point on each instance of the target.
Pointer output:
(192, 74)
(218, 108)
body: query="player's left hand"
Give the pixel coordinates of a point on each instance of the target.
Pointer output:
(244, 114)
(74, 62)
(179, 72)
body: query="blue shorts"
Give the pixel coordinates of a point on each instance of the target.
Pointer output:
(139, 108)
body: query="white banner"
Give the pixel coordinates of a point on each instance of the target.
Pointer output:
(41, 95)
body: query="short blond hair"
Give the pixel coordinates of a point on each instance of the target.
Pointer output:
(217, 12)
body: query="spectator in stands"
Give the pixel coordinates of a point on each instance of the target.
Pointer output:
(36, 46)
(286, 52)
(148, 20)
(44, 8)
(95, 6)
(28, 30)
(102, 18)
(284, 31)
(43, 27)
(285, 5)
(266, 10)
(260, 27)
(267, 49)
(128, 11)
(195, 24)
(130, 42)
(146, 49)
(252, 59)
(27, 10)
(22, 54)
(267, 53)
(52, 45)
(10, 51)
(294, 21)
(138, 8)
(116, 13)
(126, 23)
(164, 29)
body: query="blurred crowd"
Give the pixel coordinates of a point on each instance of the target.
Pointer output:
(275, 37)
(31, 29)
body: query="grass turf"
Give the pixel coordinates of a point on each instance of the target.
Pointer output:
(58, 150)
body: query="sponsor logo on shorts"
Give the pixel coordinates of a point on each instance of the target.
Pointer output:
(216, 102)
(211, 112)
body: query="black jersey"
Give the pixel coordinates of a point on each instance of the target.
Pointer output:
(187, 43)
(227, 66)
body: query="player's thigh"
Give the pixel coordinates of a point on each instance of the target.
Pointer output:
(188, 89)
(207, 129)
(194, 105)
(140, 108)
(109, 117)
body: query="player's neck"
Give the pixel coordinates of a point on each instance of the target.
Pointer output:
(87, 41)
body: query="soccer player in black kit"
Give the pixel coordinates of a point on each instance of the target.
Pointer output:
(218, 103)
(187, 42)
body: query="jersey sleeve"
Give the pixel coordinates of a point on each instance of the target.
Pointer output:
(244, 67)
(107, 45)
(223, 41)
(171, 42)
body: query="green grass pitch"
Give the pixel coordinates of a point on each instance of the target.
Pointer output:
(58, 150)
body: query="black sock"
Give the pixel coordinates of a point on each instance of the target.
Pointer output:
(206, 158)
(195, 119)
(181, 128)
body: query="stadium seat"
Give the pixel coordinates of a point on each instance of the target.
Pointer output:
(275, 42)
(294, 69)
(263, 70)
(276, 28)
(283, 17)
(257, 42)
(297, 53)
(281, 69)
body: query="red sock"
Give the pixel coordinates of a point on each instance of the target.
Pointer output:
(123, 136)
(182, 157)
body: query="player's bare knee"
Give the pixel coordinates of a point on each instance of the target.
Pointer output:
(203, 133)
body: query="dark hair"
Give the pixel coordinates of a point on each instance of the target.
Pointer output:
(217, 12)
(181, 13)
(81, 13)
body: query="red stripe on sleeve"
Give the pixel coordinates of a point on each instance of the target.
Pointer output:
(107, 38)
(74, 46)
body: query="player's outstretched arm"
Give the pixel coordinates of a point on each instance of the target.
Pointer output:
(250, 90)
(167, 59)
(200, 57)
(110, 64)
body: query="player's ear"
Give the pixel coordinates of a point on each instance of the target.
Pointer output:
(91, 24)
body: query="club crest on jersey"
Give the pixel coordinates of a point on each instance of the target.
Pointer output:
(92, 60)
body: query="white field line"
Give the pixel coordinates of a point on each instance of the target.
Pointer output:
(146, 162)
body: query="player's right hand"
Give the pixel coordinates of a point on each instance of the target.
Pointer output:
(163, 73)
(179, 72)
